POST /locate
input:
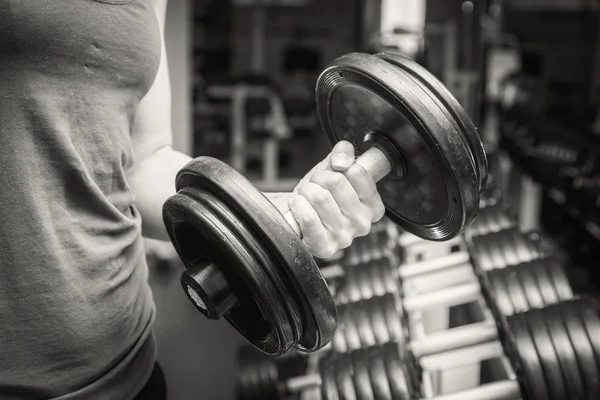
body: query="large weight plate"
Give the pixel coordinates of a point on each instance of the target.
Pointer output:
(396, 368)
(379, 379)
(329, 387)
(453, 107)
(559, 278)
(589, 317)
(362, 383)
(546, 354)
(261, 317)
(343, 368)
(545, 283)
(530, 284)
(581, 344)
(565, 352)
(524, 357)
(296, 265)
(433, 191)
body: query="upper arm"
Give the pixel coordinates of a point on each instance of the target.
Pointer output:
(152, 127)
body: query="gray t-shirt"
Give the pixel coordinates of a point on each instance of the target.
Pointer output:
(76, 310)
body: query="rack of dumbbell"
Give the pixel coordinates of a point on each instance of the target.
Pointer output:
(487, 315)
(564, 163)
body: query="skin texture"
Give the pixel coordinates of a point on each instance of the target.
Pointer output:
(334, 203)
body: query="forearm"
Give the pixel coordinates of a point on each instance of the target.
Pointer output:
(153, 182)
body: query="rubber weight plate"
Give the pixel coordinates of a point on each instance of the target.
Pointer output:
(589, 317)
(565, 352)
(438, 167)
(521, 350)
(581, 344)
(546, 354)
(398, 375)
(261, 316)
(362, 382)
(247, 206)
(257, 376)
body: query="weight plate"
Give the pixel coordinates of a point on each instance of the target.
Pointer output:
(525, 247)
(506, 245)
(559, 278)
(545, 284)
(257, 375)
(433, 189)
(499, 292)
(343, 368)
(363, 322)
(581, 344)
(296, 264)
(396, 371)
(329, 389)
(516, 292)
(350, 328)
(377, 374)
(527, 364)
(589, 317)
(565, 352)
(482, 253)
(338, 342)
(362, 382)
(546, 354)
(452, 106)
(261, 320)
(378, 276)
(350, 287)
(499, 247)
(530, 284)
(366, 282)
(394, 317)
(376, 309)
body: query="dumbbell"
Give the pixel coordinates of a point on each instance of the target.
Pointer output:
(512, 289)
(490, 220)
(385, 275)
(246, 261)
(370, 247)
(507, 247)
(555, 351)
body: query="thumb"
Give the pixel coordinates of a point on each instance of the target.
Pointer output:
(342, 156)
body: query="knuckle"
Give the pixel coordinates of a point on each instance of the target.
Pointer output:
(363, 226)
(344, 239)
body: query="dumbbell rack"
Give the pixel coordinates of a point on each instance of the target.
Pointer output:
(427, 269)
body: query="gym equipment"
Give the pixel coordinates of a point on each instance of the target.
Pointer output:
(246, 261)
(490, 220)
(554, 351)
(511, 290)
(533, 284)
(507, 247)
(364, 280)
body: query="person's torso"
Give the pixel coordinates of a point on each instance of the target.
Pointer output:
(75, 307)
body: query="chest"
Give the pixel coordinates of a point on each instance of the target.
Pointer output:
(104, 43)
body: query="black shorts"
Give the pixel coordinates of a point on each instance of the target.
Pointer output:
(156, 387)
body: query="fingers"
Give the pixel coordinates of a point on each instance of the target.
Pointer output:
(342, 156)
(356, 216)
(366, 191)
(315, 235)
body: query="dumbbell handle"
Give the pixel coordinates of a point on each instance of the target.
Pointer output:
(374, 161)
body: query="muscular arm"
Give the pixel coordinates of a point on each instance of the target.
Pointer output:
(333, 204)
(152, 178)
